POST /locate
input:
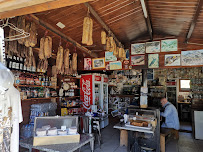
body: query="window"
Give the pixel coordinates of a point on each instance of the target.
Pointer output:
(184, 85)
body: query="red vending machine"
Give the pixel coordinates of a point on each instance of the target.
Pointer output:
(94, 91)
(90, 90)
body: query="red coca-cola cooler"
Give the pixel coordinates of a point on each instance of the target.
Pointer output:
(94, 91)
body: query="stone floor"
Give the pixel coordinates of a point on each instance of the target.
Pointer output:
(110, 142)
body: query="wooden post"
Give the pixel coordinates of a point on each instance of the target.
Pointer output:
(123, 138)
(162, 143)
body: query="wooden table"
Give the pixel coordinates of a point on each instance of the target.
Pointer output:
(69, 147)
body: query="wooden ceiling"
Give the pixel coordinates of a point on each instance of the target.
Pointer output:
(125, 18)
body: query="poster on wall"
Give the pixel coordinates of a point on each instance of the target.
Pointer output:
(153, 47)
(169, 45)
(138, 48)
(115, 65)
(110, 57)
(127, 51)
(87, 63)
(192, 58)
(137, 60)
(98, 63)
(153, 60)
(172, 60)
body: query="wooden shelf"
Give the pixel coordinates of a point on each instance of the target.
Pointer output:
(71, 107)
(196, 91)
(27, 73)
(39, 98)
(72, 97)
(34, 86)
(122, 95)
(74, 88)
(112, 85)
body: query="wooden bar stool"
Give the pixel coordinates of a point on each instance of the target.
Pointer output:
(165, 132)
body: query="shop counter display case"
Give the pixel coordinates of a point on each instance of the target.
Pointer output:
(56, 130)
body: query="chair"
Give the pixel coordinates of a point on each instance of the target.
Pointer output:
(97, 131)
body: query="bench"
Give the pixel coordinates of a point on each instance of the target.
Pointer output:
(165, 132)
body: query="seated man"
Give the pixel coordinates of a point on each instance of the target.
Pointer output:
(171, 115)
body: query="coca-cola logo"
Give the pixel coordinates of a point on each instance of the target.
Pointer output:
(87, 92)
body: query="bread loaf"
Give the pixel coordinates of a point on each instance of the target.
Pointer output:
(74, 62)
(90, 40)
(47, 47)
(50, 46)
(103, 37)
(87, 31)
(59, 59)
(66, 61)
(27, 29)
(116, 52)
(41, 50)
(33, 34)
(108, 44)
(111, 44)
(21, 25)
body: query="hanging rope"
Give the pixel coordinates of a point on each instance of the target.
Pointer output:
(22, 34)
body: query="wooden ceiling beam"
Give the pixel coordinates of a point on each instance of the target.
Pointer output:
(147, 18)
(194, 21)
(62, 35)
(101, 22)
(13, 8)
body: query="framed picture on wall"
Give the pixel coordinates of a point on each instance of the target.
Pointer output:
(137, 60)
(110, 57)
(138, 48)
(98, 63)
(169, 45)
(153, 60)
(117, 65)
(172, 60)
(153, 47)
(87, 63)
(189, 58)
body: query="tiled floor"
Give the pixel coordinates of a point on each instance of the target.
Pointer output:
(110, 142)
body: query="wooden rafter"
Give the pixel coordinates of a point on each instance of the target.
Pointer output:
(10, 8)
(59, 33)
(103, 24)
(147, 18)
(194, 21)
